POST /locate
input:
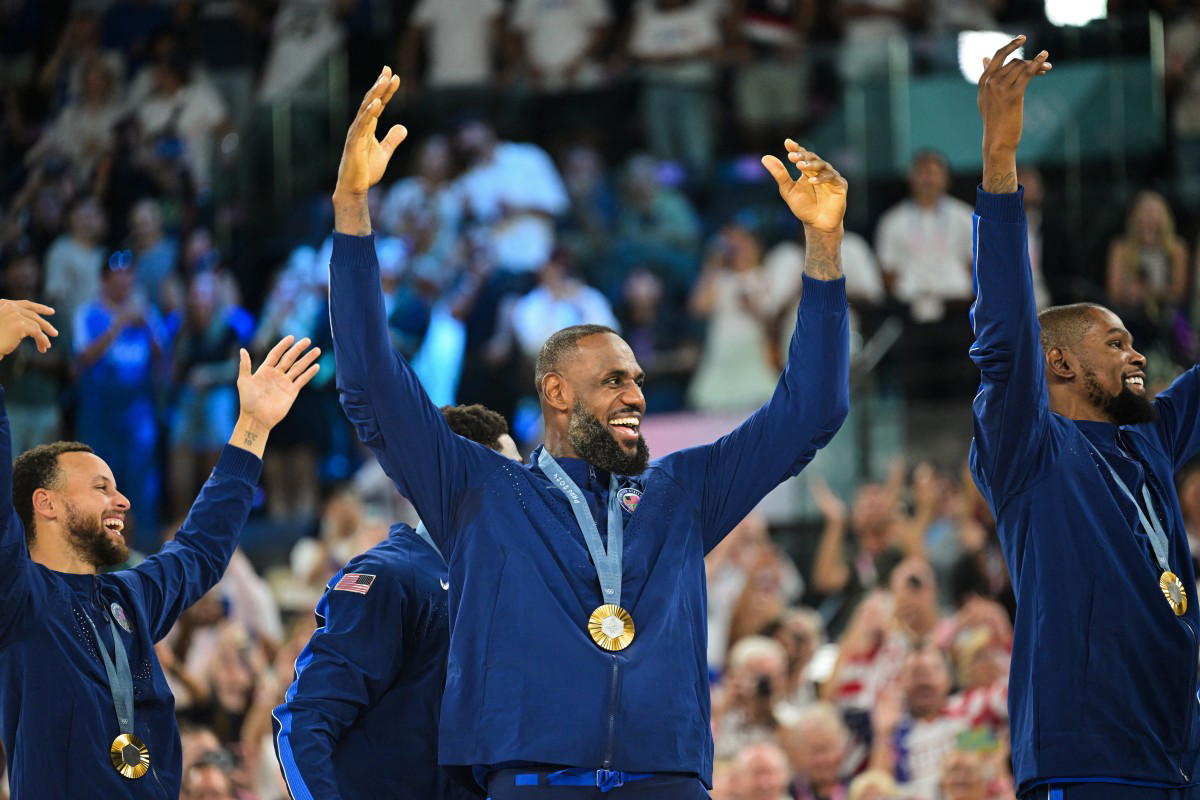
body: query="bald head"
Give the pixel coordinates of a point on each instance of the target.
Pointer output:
(1064, 326)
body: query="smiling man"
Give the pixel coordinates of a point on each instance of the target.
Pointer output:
(1078, 464)
(577, 649)
(85, 710)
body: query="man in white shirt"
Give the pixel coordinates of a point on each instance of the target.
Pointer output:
(459, 39)
(557, 40)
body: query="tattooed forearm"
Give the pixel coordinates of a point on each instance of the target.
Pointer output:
(248, 439)
(1000, 183)
(351, 215)
(823, 255)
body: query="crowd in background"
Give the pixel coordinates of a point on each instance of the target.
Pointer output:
(570, 161)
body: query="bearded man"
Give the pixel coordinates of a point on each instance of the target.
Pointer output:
(85, 710)
(577, 605)
(1078, 465)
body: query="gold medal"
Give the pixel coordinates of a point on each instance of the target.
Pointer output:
(130, 756)
(611, 627)
(1172, 589)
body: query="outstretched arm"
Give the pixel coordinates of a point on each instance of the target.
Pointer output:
(187, 567)
(731, 475)
(1012, 407)
(18, 319)
(379, 391)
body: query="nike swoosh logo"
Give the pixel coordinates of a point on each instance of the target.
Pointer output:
(445, 584)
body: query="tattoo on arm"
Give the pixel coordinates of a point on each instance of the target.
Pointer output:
(249, 438)
(1005, 183)
(823, 260)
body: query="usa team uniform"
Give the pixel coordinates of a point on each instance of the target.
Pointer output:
(528, 693)
(57, 718)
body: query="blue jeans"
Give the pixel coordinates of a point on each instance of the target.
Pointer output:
(503, 786)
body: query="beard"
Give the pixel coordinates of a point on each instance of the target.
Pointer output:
(1124, 407)
(88, 537)
(595, 444)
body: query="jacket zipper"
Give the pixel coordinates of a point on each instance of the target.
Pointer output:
(1192, 695)
(612, 713)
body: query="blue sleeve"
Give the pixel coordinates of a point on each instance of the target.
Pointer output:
(350, 661)
(1178, 415)
(15, 564)
(1012, 409)
(184, 569)
(384, 400)
(733, 474)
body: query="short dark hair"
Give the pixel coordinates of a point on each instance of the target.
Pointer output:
(477, 423)
(558, 346)
(1064, 326)
(38, 468)
(929, 154)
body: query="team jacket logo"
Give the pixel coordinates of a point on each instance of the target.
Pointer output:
(629, 498)
(118, 614)
(357, 582)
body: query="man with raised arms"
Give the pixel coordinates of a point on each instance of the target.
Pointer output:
(1078, 464)
(577, 598)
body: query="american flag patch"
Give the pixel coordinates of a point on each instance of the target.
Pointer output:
(355, 582)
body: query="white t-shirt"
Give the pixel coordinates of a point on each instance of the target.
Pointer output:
(929, 251)
(519, 180)
(677, 32)
(72, 274)
(539, 314)
(193, 114)
(459, 40)
(557, 32)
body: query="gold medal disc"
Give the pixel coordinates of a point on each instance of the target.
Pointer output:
(1172, 589)
(611, 627)
(130, 756)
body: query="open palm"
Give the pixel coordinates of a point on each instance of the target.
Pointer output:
(267, 394)
(365, 158)
(818, 197)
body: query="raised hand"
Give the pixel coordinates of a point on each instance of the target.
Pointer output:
(1001, 101)
(365, 158)
(21, 318)
(267, 394)
(818, 198)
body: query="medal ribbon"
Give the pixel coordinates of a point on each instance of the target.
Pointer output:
(120, 679)
(608, 563)
(1151, 525)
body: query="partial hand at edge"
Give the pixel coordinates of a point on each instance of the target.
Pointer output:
(24, 318)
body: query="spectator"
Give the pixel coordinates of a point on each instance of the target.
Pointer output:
(154, 252)
(662, 340)
(119, 341)
(913, 733)
(728, 569)
(205, 408)
(74, 260)
(873, 35)
(459, 40)
(676, 44)
(963, 777)
(924, 249)
(1050, 244)
(771, 87)
(207, 780)
(817, 741)
(751, 699)
(874, 785)
(587, 228)
(83, 130)
(303, 34)
(801, 633)
(764, 771)
(1147, 276)
(560, 300)
(557, 42)
(425, 208)
(139, 168)
(737, 367)
(33, 381)
(183, 117)
(1183, 88)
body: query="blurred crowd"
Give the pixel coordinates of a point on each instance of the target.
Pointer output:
(571, 161)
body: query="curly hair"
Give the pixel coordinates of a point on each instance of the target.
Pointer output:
(38, 468)
(477, 423)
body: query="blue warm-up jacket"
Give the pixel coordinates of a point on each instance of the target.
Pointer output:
(359, 720)
(525, 682)
(1104, 675)
(56, 708)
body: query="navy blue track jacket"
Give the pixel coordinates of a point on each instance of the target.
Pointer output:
(56, 708)
(1104, 675)
(360, 719)
(525, 681)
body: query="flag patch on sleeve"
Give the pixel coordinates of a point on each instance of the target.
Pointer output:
(355, 582)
